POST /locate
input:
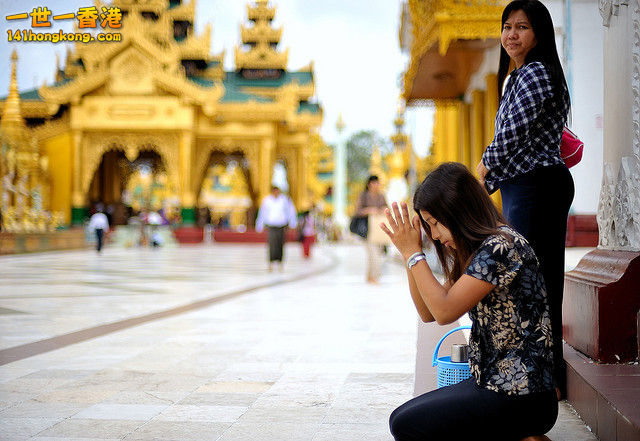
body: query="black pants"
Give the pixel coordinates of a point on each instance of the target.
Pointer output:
(537, 205)
(99, 236)
(275, 236)
(466, 411)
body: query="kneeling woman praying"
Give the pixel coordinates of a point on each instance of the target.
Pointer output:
(492, 273)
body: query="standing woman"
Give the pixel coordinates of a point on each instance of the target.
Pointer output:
(371, 202)
(523, 160)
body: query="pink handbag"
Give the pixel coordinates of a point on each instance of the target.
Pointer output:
(570, 148)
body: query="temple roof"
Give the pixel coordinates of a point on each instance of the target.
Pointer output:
(180, 67)
(301, 77)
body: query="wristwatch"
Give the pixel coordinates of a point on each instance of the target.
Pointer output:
(415, 258)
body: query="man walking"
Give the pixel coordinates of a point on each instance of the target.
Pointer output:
(276, 213)
(99, 224)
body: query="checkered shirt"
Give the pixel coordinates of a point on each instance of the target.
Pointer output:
(529, 126)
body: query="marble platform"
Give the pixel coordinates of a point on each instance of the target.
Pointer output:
(203, 343)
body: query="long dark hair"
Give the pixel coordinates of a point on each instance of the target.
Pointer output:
(372, 178)
(544, 51)
(455, 198)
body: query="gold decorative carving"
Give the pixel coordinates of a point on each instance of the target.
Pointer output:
(445, 21)
(96, 144)
(263, 39)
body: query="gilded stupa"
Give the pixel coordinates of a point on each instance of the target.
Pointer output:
(159, 100)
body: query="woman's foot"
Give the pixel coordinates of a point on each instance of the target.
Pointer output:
(559, 394)
(372, 280)
(536, 438)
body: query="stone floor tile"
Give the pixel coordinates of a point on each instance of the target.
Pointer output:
(353, 432)
(49, 438)
(218, 399)
(302, 415)
(216, 414)
(178, 431)
(39, 409)
(269, 432)
(248, 387)
(87, 394)
(359, 414)
(136, 412)
(88, 428)
(16, 429)
(142, 396)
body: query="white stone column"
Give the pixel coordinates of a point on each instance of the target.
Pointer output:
(340, 179)
(619, 206)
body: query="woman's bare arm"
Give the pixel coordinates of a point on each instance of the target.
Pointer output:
(421, 307)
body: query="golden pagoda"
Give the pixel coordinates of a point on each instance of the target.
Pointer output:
(158, 109)
(24, 178)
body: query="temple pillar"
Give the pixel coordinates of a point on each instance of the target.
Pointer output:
(267, 148)
(491, 102)
(440, 135)
(339, 191)
(187, 198)
(476, 128)
(451, 128)
(303, 176)
(78, 209)
(490, 107)
(464, 135)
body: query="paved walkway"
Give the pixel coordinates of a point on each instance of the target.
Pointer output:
(202, 343)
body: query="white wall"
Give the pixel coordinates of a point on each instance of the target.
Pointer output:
(587, 101)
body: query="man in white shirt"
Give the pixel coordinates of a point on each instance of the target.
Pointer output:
(276, 213)
(99, 224)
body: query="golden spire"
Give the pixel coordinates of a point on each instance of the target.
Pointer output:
(11, 117)
(340, 123)
(262, 39)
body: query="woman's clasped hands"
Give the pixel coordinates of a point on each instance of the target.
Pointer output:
(403, 231)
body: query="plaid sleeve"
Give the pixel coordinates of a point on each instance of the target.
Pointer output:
(531, 88)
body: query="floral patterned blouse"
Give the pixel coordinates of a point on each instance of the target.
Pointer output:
(510, 344)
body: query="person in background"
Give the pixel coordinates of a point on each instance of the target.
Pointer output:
(99, 224)
(492, 273)
(524, 160)
(276, 213)
(307, 231)
(371, 201)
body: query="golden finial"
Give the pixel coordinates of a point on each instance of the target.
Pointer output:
(340, 123)
(12, 122)
(12, 104)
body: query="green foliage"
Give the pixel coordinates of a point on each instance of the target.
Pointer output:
(359, 149)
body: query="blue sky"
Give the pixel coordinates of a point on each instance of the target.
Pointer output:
(353, 44)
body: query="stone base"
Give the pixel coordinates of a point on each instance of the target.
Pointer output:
(582, 231)
(250, 236)
(605, 396)
(17, 243)
(601, 303)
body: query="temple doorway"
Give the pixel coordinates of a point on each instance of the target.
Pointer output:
(226, 198)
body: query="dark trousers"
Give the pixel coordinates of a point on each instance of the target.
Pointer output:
(275, 237)
(99, 236)
(537, 205)
(466, 411)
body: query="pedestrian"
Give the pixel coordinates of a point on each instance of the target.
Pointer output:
(491, 273)
(99, 224)
(372, 202)
(523, 160)
(276, 213)
(307, 231)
